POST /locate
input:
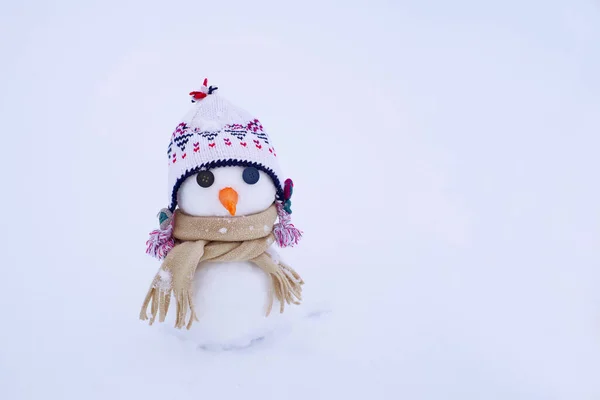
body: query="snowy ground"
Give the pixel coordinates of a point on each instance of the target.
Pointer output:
(445, 156)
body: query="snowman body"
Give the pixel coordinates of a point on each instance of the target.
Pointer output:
(231, 298)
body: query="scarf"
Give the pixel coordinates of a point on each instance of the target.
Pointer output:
(197, 239)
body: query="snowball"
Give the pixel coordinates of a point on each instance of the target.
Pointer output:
(231, 300)
(198, 201)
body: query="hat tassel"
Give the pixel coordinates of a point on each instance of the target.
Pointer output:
(286, 234)
(161, 240)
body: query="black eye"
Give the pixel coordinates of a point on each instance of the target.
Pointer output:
(250, 175)
(205, 178)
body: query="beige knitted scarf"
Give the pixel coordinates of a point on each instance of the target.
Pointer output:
(244, 238)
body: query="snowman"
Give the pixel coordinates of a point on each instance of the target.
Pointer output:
(220, 278)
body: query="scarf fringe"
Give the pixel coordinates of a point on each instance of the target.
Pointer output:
(158, 301)
(286, 286)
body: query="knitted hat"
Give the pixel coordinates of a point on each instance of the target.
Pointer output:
(216, 133)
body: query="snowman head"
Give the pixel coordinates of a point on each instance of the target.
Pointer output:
(225, 148)
(226, 191)
(222, 163)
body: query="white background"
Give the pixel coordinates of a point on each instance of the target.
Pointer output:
(445, 156)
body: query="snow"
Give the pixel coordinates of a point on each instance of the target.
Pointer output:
(444, 156)
(223, 230)
(165, 279)
(273, 253)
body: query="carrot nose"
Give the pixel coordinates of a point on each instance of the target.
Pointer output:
(229, 198)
